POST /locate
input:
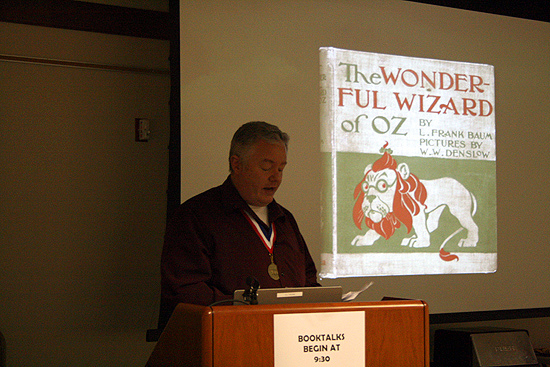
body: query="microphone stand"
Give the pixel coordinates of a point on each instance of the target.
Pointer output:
(251, 294)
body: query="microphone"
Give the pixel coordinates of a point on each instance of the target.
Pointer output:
(251, 294)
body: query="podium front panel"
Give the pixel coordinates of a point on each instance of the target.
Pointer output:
(396, 334)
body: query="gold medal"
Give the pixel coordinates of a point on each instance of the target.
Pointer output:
(272, 269)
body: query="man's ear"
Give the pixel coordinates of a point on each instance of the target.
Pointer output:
(236, 163)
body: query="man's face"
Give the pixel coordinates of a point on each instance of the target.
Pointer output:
(259, 175)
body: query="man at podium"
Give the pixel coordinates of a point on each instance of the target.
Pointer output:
(219, 238)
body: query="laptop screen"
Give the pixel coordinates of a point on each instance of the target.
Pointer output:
(271, 296)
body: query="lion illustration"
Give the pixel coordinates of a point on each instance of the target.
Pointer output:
(390, 194)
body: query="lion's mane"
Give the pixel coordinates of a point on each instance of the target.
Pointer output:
(409, 196)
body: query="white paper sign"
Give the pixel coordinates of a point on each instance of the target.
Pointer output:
(331, 339)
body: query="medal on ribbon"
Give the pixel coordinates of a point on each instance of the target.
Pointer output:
(267, 235)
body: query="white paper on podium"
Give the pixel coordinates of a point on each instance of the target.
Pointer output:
(323, 338)
(350, 296)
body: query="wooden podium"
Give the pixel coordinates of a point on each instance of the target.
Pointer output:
(397, 334)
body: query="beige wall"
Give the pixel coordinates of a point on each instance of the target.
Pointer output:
(82, 205)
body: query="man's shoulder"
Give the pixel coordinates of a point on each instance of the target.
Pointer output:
(219, 197)
(280, 212)
(205, 198)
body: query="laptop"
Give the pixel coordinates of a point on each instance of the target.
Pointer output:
(273, 296)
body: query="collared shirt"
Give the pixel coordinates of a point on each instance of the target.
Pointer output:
(210, 249)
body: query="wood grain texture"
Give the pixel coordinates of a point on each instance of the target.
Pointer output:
(397, 334)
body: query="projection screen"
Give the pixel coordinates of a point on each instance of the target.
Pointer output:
(257, 60)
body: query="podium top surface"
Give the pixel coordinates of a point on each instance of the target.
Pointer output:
(305, 307)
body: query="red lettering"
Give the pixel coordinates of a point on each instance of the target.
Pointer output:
(391, 77)
(436, 99)
(358, 98)
(460, 78)
(442, 81)
(431, 82)
(404, 102)
(482, 102)
(415, 78)
(475, 82)
(468, 107)
(449, 106)
(341, 93)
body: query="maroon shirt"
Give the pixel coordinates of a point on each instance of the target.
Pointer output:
(210, 249)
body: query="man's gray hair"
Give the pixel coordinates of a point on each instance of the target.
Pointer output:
(248, 134)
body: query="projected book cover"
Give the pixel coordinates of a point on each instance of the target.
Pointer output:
(409, 182)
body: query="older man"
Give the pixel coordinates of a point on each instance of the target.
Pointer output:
(217, 239)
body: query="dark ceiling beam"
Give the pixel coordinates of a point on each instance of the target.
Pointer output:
(84, 16)
(92, 17)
